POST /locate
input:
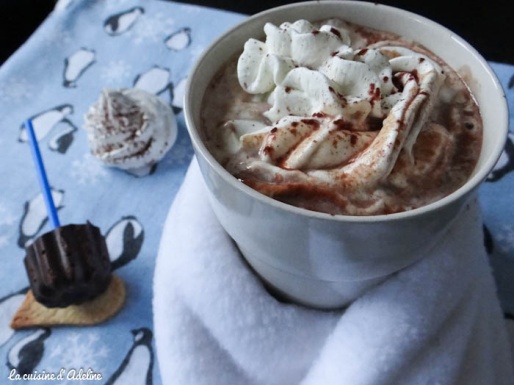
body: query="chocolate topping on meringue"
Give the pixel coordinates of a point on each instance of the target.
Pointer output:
(130, 128)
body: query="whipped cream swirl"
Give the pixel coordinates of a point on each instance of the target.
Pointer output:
(341, 115)
(130, 128)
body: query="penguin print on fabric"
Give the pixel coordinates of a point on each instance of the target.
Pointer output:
(76, 64)
(64, 138)
(178, 96)
(88, 46)
(8, 306)
(35, 216)
(157, 81)
(124, 240)
(179, 40)
(26, 354)
(136, 367)
(45, 121)
(121, 22)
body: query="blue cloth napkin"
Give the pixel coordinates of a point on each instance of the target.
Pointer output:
(83, 47)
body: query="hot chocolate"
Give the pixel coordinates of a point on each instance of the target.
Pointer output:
(338, 118)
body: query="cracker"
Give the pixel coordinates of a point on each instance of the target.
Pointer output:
(31, 313)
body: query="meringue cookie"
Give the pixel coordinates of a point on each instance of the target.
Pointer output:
(130, 129)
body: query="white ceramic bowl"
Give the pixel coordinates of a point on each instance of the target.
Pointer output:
(318, 259)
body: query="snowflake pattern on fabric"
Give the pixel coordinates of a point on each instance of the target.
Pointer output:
(150, 29)
(116, 73)
(82, 48)
(87, 171)
(80, 351)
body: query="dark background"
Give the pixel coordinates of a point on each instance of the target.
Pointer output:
(486, 24)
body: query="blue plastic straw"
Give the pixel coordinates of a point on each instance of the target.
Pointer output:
(41, 173)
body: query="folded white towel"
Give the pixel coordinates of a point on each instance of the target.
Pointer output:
(435, 322)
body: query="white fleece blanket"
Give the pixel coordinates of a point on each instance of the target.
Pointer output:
(436, 322)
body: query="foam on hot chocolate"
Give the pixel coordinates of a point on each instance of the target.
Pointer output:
(335, 117)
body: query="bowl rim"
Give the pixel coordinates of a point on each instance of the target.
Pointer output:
(471, 184)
